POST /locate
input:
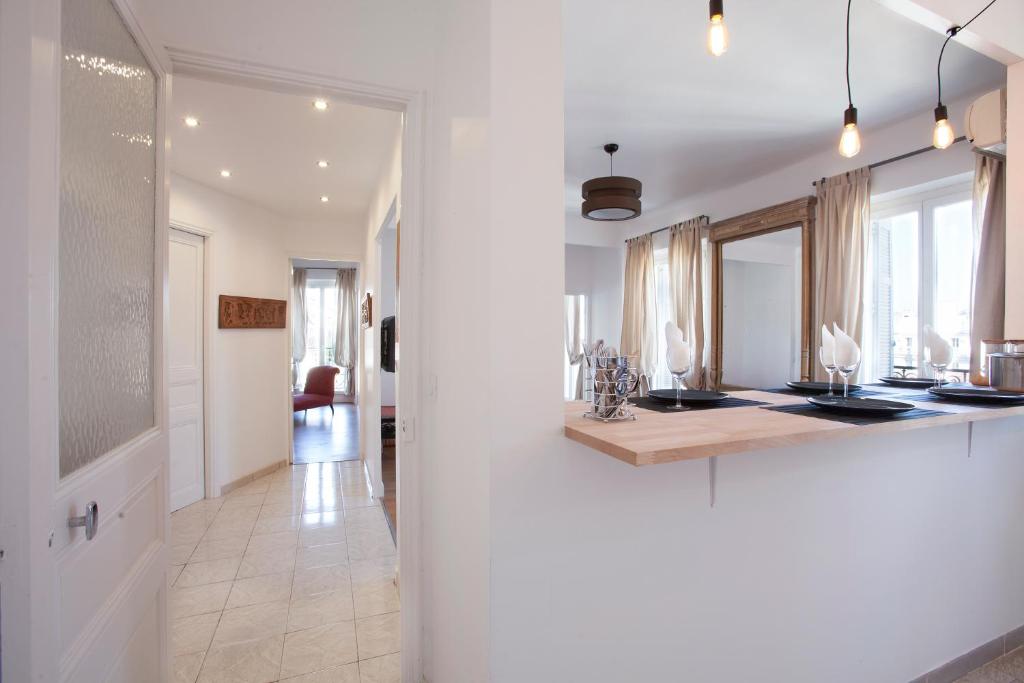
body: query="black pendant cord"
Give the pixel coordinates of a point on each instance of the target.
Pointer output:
(849, 91)
(950, 34)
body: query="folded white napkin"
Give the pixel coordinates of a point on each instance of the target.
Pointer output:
(678, 349)
(939, 350)
(828, 346)
(847, 351)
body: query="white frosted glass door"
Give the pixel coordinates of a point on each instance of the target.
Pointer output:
(106, 236)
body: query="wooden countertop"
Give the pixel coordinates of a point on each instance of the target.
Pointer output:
(655, 438)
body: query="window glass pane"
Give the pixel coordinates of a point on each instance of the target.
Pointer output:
(106, 235)
(663, 293)
(953, 239)
(905, 230)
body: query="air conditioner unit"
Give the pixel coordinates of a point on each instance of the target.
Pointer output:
(986, 122)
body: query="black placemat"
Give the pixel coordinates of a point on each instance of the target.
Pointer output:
(662, 407)
(809, 410)
(932, 398)
(786, 391)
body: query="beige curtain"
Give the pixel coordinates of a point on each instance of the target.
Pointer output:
(298, 296)
(686, 266)
(574, 338)
(989, 282)
(842, 225)
(639, 313)
(345, 335)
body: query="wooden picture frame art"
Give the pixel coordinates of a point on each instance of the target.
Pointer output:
(248, 313)
(366, 312)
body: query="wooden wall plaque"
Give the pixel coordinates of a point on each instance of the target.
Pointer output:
(243, 312)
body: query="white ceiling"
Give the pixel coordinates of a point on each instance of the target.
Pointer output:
(639, 74)
(271, 142)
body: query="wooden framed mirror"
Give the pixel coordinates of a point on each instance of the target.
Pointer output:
(762, 296)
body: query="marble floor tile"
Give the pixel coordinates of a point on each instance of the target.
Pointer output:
(236, 514)
(193, 634)
(377, 596)
(319, 648)
(274, 541)
(352, 502)
(286, 509)
(187, 602)
(321, 556)
(257, 589)
(319, 610)
(172, 573)
(370, 519)
(263, 562)
(322, 536)
(181, 553)
(228, 528)
(185, 668)
(253, 661)
(208, 571)
(243, 501)
(220, 548)
(367, 545)
(259, 486)
(252, 623)
(270, 525)
(386, 669)
(321, 580)
(336, 674)
(328, 518)
(379, 635)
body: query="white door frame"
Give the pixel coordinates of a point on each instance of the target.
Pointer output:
(210, 488)
(30, 537)
(414, 106)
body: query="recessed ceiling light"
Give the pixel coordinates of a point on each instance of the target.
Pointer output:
(225, 173)
(324, 198)
(191, 121)
(320, 104)
(323, 163)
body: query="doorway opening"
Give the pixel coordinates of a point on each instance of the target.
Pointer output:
(325, 427)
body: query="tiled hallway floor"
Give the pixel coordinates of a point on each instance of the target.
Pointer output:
(1007, 669)
(289, 578)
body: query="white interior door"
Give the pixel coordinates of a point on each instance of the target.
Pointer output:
(185, 267)
(91, 603)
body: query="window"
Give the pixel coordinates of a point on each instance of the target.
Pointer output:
(321, 328)
(663, 298)
(920, 262)
(572, 371)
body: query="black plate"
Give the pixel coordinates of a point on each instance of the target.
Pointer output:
(860, 406)
(689, 396)
(821, 387)
(910, 382)
(977, 395)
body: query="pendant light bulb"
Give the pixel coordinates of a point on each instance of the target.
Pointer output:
(718, 34)
(849, 142)
(943, 136)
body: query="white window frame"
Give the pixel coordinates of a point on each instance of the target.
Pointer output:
(923, 204)
(324, 284)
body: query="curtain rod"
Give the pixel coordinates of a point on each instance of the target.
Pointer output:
(901, 157)
(655, 232)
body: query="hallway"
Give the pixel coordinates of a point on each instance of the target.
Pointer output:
(323, 437)
(288, 578)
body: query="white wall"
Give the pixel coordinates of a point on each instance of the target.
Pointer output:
(248, 250)
(598, 272)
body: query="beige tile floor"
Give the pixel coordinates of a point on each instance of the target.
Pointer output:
(289, 578)
(1007, 669)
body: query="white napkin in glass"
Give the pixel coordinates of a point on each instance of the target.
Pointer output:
(678, 349)
(846, 350)
(828, 346)
(939, 350)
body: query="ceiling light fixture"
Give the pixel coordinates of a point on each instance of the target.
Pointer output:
(323, 163)
(612, 198)
(943, 136)
(849, 141)
(718, 35)
(191, 122)
(324, 198)
(320, 104)
(225, 173)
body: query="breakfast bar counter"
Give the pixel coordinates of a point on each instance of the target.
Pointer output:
(663, 437)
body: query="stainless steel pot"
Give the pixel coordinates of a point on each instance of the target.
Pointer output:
(1006, 371)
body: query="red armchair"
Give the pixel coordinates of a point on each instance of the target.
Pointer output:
(319, 389)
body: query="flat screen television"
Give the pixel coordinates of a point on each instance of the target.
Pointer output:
(387, 344)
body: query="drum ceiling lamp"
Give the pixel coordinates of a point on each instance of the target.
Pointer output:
(612, 198)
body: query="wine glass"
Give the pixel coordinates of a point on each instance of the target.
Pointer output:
(939, 371)
(830, 365)
(678, 366)
(848, 368)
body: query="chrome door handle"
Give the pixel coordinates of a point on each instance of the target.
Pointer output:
(90, 520)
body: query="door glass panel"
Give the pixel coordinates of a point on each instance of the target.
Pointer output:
(904, 277)
(106, 235)
(954, 243)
